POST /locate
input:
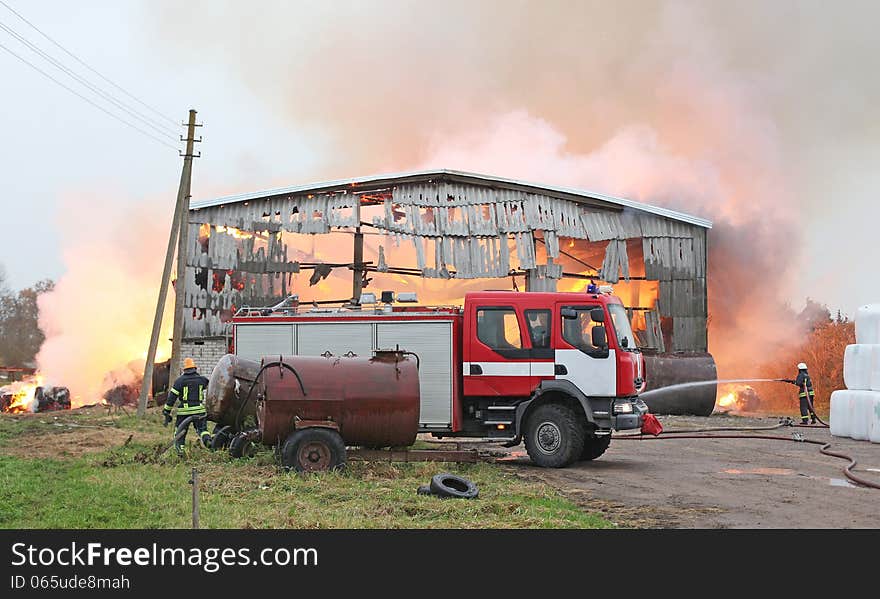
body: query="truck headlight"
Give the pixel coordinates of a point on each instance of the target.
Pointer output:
(623, 408)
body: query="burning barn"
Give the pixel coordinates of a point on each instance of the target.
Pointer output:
(442, 233)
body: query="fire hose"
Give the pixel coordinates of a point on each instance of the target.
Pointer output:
(687, 434)
(180, 431)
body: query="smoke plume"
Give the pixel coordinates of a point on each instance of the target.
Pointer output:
(99, 316)
(703, 107)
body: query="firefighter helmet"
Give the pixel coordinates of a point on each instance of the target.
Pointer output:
(802, 366)
(190, 363)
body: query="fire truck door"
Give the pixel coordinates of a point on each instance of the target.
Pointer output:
(496, 362)
(592, 369)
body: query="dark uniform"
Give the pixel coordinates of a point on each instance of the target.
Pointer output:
(189, 392)
(805, 390)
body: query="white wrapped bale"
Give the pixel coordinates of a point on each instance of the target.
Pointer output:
(875, 369)
(860, 414)
(868, 324)
(874, 432)
(839, 421)
(858, 360)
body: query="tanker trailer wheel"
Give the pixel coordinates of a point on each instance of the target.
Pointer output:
(313, 449)
(595, 446)
(554, 436)
(242, 447)
(221, 437)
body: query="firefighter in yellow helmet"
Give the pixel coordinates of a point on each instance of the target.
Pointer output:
(188, 391)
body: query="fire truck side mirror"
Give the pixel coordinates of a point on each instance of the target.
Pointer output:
(568, 313)
(597, 315)
(599, 338)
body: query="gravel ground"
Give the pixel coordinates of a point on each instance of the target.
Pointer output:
(720, 483)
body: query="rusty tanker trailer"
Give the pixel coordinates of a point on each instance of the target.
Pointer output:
(312, 407)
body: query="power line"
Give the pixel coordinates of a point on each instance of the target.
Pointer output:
(137, 115)
(76, 93)
(83, 63)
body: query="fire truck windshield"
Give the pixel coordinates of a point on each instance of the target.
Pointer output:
(622, 328)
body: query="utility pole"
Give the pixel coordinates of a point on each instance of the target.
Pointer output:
(181, 210)
(357, 277)
(180, 286)
(357, 274)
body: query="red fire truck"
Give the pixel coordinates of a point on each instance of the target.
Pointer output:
(559, 371)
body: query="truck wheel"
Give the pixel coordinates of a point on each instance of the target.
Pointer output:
(313, 450)
(554, 436)
(594, 446)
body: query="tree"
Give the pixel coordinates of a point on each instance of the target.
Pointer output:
(822, 347)
(20, 334)
(814, 315)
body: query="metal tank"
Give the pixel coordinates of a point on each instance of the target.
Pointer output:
(228, 387)
(664, 370)
(371, 402)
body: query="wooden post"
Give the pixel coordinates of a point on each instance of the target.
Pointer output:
(179, 208)
(194, 481)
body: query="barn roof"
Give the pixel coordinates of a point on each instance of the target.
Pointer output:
(444, 175)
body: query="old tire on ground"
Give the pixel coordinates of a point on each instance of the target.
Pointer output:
(595, 446)
(313, 449)
(452, 485)
(241, 447)
(554, 436)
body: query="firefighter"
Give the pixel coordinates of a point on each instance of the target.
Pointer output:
(189, 390)
(805, 393)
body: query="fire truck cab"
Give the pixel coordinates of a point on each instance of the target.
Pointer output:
(557, 371)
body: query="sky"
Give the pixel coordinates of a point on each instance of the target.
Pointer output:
(760, 116)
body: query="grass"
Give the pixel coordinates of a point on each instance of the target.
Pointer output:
(128, 484)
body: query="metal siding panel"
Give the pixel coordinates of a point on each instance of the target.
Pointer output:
(313, 339)
(665, 299)
(253, 341)
(700, 298)
(432, 342)
(686, 333)
(683, 297)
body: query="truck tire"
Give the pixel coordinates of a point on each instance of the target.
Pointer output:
(452, 485)
(594, 446)
(314, 449)
(554, 436)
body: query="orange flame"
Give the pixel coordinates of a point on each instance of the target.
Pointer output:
(23, 394)
(741, 399)
(728, 400)
(237, 233)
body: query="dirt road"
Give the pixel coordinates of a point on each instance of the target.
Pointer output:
(722, 483)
